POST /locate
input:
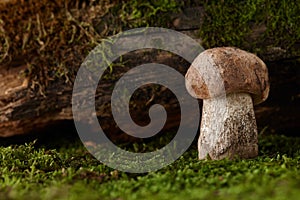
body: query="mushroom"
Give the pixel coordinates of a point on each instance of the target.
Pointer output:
(228, 126)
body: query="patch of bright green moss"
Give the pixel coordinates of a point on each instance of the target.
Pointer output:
(71, 173)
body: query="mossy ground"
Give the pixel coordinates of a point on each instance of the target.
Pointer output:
(69, 172)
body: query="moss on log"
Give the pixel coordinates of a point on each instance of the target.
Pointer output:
(43, 43)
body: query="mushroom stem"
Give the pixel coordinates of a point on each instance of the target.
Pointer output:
(228, 132)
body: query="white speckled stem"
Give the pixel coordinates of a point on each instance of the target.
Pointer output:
(228, 132)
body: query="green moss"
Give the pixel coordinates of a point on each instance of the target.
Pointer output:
(27, 171)
(139, 13)
(252, 25)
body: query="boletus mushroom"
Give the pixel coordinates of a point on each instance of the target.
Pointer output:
(228, 126)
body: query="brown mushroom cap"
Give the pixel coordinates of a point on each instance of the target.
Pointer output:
(241, 71)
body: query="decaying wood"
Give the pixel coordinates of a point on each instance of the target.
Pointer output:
(23, 111)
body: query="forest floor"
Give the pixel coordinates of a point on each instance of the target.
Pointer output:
(44, 170)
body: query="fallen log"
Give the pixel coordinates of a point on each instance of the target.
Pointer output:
(24, 109)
